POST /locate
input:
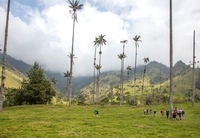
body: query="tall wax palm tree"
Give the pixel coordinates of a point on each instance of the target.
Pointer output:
(74, 6)
(95, 45)
(101, 41)
(146, 60)
(171, 58)
(121, 56)
(136, 39)
(122, 69)
(3, 75)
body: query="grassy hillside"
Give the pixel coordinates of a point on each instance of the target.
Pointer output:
(13, 78)
(182, 84)
(61, 121)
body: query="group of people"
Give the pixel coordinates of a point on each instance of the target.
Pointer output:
(149, 111)
(176, 113)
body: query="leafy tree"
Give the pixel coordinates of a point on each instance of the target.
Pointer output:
(10, 97)
(111, 95)
(74, 6)
(105, 100)
(81, 99)
(127, 97)
(37, 89)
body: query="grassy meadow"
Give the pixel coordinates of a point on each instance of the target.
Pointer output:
(61, 121)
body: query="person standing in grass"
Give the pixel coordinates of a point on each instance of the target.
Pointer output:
(154, 112)
(183, 112)
(162, 112)
(167, 113)
(174, 113)
(96, 112)
(145, 111)
(150, 110)
(180, 114)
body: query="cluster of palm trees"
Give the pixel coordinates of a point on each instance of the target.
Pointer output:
(122, 56)
(98, 42)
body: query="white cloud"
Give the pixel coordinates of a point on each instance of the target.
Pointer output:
(44, 35)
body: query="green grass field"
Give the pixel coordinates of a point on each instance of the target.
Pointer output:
(61, 121)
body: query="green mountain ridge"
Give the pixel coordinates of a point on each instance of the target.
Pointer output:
(156, 74)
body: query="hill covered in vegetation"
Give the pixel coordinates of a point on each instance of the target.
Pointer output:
(156, 80)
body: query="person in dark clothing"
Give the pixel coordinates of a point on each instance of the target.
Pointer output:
(167, 113)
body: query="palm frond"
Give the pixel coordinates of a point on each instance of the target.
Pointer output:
(74, 6)
(124, 41)
(53, 80)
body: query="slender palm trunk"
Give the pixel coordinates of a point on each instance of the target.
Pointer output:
(3, 77)
(123, 74)
(94, 85)
(71, 63)
(100, 57)
(97, 95)
(121, 99)
(94, 79)
(98, 76)
(135, 74)
(171, 61)
(193, 73)
(122, 81)
(143, 84)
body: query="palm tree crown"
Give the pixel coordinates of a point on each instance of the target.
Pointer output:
(101, 40)
(124, 41)
(146, 60)
(96, 43)
(137, 39)
(74, 6)
(53, 80)
(122, 56)
(128, 68)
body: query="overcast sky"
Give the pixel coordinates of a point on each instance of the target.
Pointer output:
(41, 30)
